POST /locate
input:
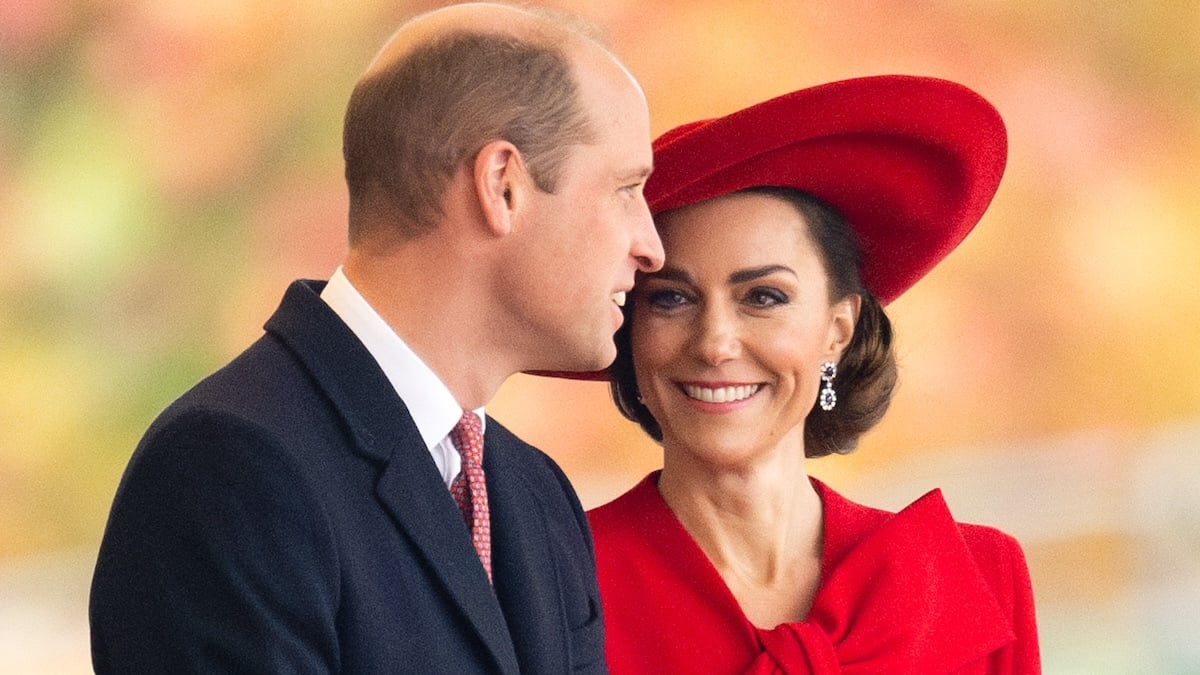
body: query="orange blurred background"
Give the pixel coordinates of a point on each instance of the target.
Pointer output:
(167, 167)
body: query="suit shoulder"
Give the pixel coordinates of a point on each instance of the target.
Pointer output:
(262, 387)
(191, 441)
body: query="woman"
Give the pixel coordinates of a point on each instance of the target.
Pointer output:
(762, 342)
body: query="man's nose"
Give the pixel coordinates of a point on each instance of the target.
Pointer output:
(647, 247)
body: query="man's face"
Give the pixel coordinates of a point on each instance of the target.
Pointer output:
(592, 235)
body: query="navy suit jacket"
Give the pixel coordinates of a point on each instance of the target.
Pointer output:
(285, 516)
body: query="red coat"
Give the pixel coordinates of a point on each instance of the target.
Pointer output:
(912, 592)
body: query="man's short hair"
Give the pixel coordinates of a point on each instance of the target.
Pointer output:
(411, 125)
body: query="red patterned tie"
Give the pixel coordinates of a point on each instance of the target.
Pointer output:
(470, 489)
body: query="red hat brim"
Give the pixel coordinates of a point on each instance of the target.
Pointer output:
(910, 162)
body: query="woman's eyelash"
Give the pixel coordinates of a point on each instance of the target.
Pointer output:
(666, 298)
(767, 296)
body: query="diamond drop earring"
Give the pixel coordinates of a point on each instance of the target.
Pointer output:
(828, 397)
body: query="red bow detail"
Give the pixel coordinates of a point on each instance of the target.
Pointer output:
(894, 604)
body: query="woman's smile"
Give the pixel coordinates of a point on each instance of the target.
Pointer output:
(719, 393)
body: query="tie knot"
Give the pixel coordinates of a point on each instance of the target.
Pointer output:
(467, 436)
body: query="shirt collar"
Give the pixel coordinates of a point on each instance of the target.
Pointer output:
(432, 406)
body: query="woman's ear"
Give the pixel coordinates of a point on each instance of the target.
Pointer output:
(843, 318)
(499, 174)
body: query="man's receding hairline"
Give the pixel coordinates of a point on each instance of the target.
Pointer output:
(573, 25)
(544, 27)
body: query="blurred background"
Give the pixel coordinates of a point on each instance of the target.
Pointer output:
(167, 167)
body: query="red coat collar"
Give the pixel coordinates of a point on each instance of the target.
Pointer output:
(900, 593)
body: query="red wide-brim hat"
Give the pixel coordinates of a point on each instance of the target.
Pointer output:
(910, 162)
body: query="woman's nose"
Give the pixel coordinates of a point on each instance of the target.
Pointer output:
(716, 338)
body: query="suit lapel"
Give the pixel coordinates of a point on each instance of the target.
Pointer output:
(409, 487)
(523, 566)
(422, 506)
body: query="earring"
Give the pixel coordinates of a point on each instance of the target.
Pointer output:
(828, 397)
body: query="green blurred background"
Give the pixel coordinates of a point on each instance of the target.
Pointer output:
(167, 167)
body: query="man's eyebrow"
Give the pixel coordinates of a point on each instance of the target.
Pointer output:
(640, 173)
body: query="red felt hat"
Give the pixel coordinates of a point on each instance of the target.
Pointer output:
(911, 163)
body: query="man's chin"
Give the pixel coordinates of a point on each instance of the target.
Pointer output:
(604, 357)
(593, 366)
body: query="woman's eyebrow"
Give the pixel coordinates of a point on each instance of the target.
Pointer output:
(672, 274)
(742, 276)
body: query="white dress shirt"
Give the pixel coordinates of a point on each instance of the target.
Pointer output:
(430, 403)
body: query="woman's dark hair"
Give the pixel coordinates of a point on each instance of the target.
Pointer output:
(867, 371)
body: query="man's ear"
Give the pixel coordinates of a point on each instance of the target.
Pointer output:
(500, 175)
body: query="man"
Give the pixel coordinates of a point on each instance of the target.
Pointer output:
(294, 511)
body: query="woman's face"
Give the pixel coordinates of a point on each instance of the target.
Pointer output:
(728, 338)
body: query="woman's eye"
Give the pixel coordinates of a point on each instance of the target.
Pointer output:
(766, 297)
(666, 299)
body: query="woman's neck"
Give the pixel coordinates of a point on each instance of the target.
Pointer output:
(760, 526)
